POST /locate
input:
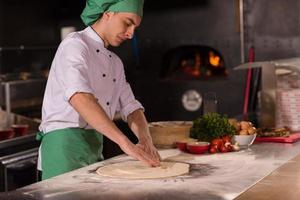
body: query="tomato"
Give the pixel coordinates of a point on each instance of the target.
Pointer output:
(226, 138)
(213, 149)
(218, 142)
(223, 149)
(229, 148)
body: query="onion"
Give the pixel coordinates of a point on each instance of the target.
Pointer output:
(236, 147)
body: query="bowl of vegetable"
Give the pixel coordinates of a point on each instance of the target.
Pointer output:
(244, 140)
(246, 134)
(197, 147)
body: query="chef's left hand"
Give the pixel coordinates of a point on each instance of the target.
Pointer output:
(147, 146)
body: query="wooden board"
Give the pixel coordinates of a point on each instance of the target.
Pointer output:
(283, 183)
(290, 139)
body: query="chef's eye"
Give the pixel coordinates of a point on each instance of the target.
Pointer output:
(128, 23)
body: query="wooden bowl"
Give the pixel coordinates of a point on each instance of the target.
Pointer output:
(165, 134)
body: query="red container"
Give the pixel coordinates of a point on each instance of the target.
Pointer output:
(6, 133)
(198, 147)
(181, 146)
(20, 129)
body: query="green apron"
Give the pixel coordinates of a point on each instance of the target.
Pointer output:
(68, 149)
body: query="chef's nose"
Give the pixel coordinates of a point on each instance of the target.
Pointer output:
(129, 33)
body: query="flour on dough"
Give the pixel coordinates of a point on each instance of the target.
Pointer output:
(138, 170)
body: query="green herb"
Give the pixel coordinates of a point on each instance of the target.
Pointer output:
(211, 126)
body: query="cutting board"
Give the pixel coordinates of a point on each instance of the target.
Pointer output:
(290, 139)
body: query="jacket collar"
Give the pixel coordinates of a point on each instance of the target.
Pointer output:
(92, 33)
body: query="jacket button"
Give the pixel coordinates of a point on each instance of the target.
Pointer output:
(107, 103)
(110, 56)
(97, 50)
(103, 75)
(114, 80)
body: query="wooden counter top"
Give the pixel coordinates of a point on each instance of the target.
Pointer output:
(283, 183)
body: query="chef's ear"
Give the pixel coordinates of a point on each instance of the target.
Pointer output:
(107, 15)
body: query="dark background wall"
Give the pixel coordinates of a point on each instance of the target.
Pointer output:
(272, 27)
(212, 23)
(1, 22)
(36, 26)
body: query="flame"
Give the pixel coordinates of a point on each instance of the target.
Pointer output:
(214, 60)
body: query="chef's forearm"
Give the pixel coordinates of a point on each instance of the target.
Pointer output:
(139, 125)
(90, 110)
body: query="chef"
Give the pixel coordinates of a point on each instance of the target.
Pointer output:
(86, 87)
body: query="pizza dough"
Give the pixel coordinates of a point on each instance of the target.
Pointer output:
(138, 170)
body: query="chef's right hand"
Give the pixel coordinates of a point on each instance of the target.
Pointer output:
(138, 153)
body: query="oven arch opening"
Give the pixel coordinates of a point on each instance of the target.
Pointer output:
(192, 62)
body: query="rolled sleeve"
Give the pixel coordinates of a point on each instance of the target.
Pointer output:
(74, 89)
(128, 103)
(131, 107)
(74, 69)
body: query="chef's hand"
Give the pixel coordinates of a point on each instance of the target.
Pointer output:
(149, 148)
(138, 152)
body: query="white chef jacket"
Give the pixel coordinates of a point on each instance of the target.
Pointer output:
(83, 64)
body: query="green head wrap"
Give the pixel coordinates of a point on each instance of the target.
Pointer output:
(94, 8)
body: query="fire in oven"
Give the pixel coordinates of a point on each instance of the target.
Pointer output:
(192, 63)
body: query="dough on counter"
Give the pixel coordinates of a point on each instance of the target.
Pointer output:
(138, 170)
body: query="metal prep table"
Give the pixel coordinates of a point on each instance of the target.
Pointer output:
(212, 176)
